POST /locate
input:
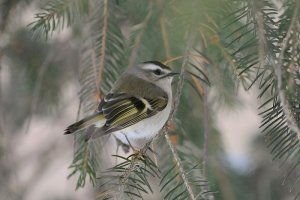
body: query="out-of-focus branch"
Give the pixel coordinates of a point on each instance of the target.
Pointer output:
(38, 86)
(1, 106)
(138, 39)
(202, 89)
(206, 133)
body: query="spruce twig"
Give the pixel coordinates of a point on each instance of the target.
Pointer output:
(292, 124)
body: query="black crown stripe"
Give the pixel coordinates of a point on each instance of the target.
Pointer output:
(158, 64)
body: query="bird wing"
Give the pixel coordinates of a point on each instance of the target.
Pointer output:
(122, 110)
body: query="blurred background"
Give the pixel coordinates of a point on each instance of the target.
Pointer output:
(40, 92)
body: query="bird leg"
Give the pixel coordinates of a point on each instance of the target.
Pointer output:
(125, 147)
(133, 149)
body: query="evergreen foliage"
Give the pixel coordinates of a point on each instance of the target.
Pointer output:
(219, 43)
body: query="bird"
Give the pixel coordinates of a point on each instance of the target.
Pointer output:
(135, 109)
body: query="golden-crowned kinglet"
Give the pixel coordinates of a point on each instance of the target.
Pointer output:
(136, 108)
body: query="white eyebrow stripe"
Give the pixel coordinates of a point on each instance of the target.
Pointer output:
(152, 67)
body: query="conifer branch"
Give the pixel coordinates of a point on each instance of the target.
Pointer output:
(38, 85)
(262, 41)
(262, 48)
(172, 115)
(57, 14)
(179, 88)
(180, 167)
(292, 124)
(135, 159)
(83, 163)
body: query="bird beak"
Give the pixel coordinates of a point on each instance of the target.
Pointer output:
(172, 74)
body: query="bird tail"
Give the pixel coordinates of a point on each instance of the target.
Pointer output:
(85, 123)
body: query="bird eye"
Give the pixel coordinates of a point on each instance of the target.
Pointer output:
(157, 72)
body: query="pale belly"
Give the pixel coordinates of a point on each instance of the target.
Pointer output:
(142, 132)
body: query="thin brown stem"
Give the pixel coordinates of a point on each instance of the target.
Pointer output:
(162, 23)
(103, 45)
(194, 56)
(172, 59)
(198, 85)
(97, 83)
(85, 159)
